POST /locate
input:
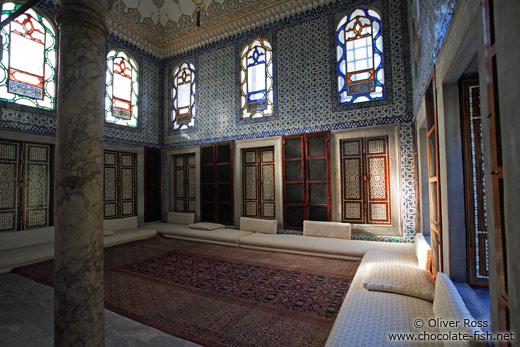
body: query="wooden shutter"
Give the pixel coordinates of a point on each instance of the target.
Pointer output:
(184, 183)
(110, 184)
(217, 183)
(37, 185)
(152, 174)
(378, 181)
(365, 175)
(306, 179)
(433, 176)
(9, 183)
(267, 183)
(258, 183)
(119, 182)
(352, 169)
(127, 184)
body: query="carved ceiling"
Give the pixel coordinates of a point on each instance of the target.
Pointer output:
(166, 27)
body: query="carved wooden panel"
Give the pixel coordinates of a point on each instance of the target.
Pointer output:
(185, 183)
(9, 181)
(258, 183)
(119, 184)
(37, 185)
(365, 176)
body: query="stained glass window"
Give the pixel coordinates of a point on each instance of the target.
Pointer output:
(183, 95)
(28, 66)
(360, 57)
(122, 89)
(256, 80)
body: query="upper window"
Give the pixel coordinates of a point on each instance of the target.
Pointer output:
(359, 42)
(183, 96)
(256, 80)
(122, 89)
(28, 66)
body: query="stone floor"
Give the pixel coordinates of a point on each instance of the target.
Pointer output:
(26, 319)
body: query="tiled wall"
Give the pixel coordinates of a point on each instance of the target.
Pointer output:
(434, 20)
(305, 70)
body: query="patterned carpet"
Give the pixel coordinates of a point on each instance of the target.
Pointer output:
(222, 296)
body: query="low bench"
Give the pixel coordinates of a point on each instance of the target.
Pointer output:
(25, 247)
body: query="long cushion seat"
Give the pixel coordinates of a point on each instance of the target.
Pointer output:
(367, 317)
(23, 238)
(185, 232)
(127, 235)
(312, 244)
(27, 255)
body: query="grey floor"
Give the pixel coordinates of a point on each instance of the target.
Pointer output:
(26, 319)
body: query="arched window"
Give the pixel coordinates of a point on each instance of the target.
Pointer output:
(360, 57)
(256, 80)
(28, 66)
(122, 90)
(183, 96)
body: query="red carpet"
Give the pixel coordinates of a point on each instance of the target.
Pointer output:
(222, 296)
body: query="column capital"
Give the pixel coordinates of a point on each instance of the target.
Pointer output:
(86, 13)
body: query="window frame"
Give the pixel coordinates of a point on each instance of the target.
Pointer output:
(382, 8)
(36, 109)
(139, 64)
(170, 68)
(271, 39)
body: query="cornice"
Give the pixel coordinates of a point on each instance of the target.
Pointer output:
(243, 19)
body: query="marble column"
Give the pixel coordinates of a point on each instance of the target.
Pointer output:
(79, 318)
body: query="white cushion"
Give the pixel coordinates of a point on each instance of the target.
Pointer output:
(108, 232)
(206, 226)
(120, 223)
(327, 229)
(181, 218)
(265, 226)
(400, 279)
(22, 256)
(422, 251)
(449, 306)
(24, 238)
